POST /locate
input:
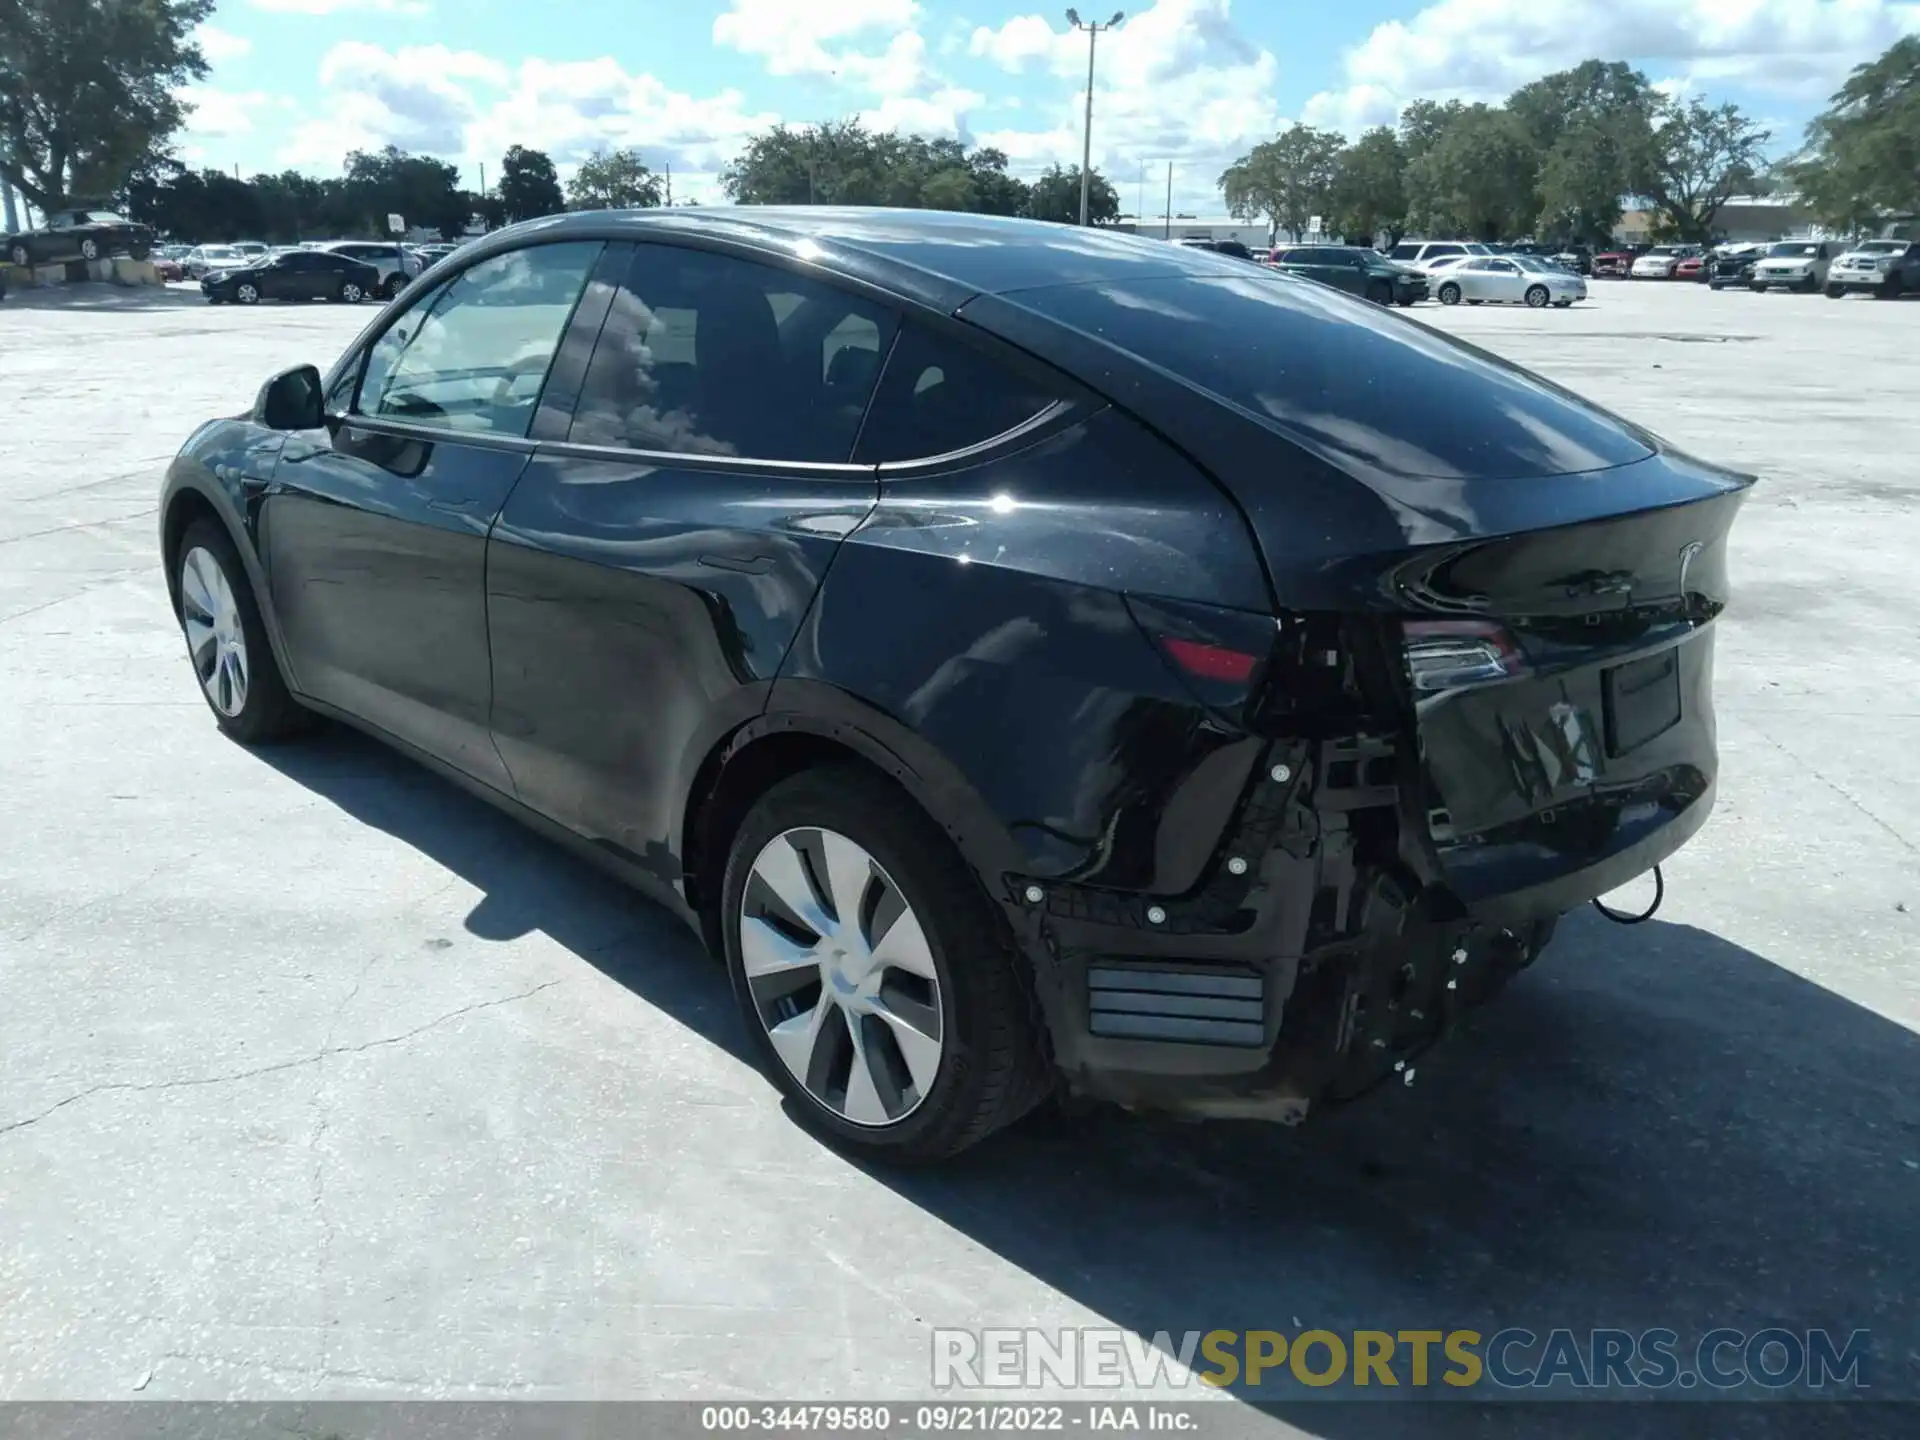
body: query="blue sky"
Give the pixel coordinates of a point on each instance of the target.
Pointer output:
(299, 83)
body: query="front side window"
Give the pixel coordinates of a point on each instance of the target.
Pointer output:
(939, 396)
(473, 353)
(706, 354)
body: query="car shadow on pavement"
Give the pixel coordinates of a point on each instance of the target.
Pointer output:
(102, 296)
(1654, 1127)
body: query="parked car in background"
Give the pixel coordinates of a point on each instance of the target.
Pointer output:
(1577, 258)
(1615, 264)
(80, 235)
(1255, 755)
(168, 268)
(1353, 268)
(1420, 253)
(252, 247)
(1510, 280)
(1888, 268)
(1794, 265)
(1661, 261)
(396, 264)
(293, 275)
(1690, 267)
(203, 260)
(1237, 249)
(1732, 264)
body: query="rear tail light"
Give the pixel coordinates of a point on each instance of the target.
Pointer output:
(1447, 654)
(1209, 662)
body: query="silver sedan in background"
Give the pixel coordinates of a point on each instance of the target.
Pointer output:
(1509, 280)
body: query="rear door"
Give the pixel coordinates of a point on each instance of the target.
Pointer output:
(375, 527)
(650, 571)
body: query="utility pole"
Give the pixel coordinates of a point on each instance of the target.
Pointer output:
(669, 184)
(1093, 29)
(1169, 231)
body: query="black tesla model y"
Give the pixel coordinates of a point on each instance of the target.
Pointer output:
(1034, 658)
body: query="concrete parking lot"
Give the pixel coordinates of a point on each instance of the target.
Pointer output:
(319, 1079)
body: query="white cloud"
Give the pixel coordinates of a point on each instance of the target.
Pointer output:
(220, 114)
(220, 46)
(1178, 80)
(792, 35)
(334, 7)
(1484, 49)
(468, 108)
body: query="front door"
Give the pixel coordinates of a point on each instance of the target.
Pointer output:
(375, 528)
(648, 575)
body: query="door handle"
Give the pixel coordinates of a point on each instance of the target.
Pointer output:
(753, 565)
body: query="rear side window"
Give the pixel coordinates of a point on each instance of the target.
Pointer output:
(1406, 252)
(473, 353)
(1369, 391)
(1436, 250)
(939, 396)
(706, 354)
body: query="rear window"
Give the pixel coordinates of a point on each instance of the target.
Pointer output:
(1340, 377)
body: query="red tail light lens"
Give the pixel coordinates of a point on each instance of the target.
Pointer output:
(1209, 662)
(1447, 654)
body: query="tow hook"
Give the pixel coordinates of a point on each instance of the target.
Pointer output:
(1622, 918)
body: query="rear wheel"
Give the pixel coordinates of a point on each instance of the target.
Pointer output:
(1537, 297)
(1449, 294)
(89, 249)
(20, 256)
(880, 987)
(351, 293)
(227, 641)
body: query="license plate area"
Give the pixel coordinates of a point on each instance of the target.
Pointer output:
(1640, 700)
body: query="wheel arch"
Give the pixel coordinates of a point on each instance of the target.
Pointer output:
(197, 488)
(809, 724)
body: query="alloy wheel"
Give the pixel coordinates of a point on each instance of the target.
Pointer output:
(216, 638)
(840, 973)
(350, 293)
(246, 294)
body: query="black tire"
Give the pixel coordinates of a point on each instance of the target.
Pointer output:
(21, 256)
(1809, 285)
(1835, 292)
(994, 1069)
(1563, 304)
(1404, 301)
(1537, 297)
(395, 284)
(270, 712)
(1449, 294)
(1891, 289)
(1380, 294)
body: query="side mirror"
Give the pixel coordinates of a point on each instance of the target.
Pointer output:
(291, 401)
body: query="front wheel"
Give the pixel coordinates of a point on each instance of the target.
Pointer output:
(227, 641)
(395, 284)
(1380, 294)
(881, 989)
(247, 293)
(1537, 297)
(1834, 292)
(1450, 294)
(1404, 301)
(20, 256)
(1891, 289)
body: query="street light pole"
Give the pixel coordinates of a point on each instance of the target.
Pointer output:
(1093, 29)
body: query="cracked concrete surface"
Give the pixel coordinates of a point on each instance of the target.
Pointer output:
(319, 1080)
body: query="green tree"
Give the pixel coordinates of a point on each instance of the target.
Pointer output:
(529, 186)
(1476, 178)
(1370, 188)
(1055, 195)
(420, 190)
(1593, 128)
(1861, 160)
(1286, 180)
(88, 89)
(1702, 155)
(1422, 124)
(995, 191)
(614, 180)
